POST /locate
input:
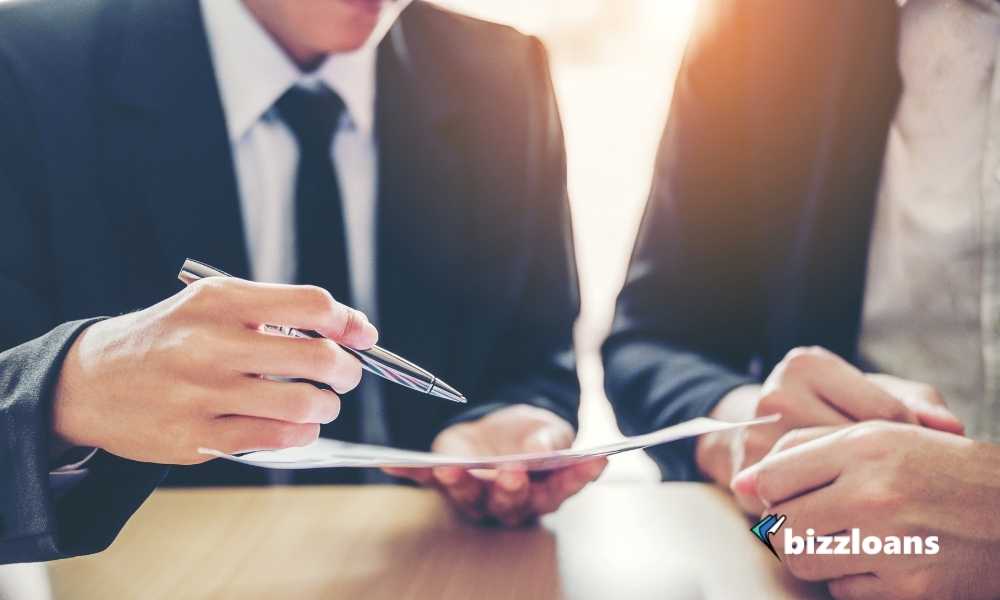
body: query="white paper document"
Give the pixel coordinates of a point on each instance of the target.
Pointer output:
(327, 453)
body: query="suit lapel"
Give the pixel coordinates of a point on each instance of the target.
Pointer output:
(422, 213)
(420, 222)
(818, 289)
(174, 126)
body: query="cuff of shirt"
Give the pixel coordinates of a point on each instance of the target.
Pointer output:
(65, 477)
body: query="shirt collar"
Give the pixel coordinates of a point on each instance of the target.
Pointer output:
(253, 71)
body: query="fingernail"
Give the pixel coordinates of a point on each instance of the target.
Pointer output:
(371, 332)
(447, 476)
(540, 441)
(510, 482)
(745, 482)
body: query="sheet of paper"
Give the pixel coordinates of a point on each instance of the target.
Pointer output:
(327, 453)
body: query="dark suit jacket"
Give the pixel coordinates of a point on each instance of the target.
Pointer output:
(115, 166)
(755, 238)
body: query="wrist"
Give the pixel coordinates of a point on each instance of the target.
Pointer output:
(66, 432)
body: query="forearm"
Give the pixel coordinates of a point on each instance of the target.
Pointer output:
(35, 522)
(653, 385)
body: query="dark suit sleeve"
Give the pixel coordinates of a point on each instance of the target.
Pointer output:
(689, 317)
(35, 524)
(534, 362)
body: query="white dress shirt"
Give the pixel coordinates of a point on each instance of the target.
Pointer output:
(932, 299)
(253, 72)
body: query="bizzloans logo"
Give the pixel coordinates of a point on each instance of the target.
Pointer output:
(850, 544)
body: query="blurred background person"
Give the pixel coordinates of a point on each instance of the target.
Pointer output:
(821, 243)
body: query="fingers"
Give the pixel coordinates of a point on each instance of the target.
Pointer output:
(551, 436)
(237, 434)
(798, 407)
(924, 400)
(466, 492)
(279, 401)
(827, 511)
(315, 359)
(549, 494)
(785, 475)
(300, 306)
(509, 497)
(843, 386)
(749, 501)
(797, 437)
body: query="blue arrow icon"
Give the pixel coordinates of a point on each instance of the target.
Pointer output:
(767, 527)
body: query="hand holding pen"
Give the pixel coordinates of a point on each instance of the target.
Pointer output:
(157, 384)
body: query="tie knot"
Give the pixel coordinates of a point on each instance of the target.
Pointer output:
(311, 114)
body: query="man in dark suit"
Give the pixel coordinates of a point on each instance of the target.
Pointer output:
(819, 243)
(421, 179)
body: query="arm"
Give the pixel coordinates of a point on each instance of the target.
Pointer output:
(690, 318)
(37, 524)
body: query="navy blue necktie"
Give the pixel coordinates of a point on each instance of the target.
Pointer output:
(313, 116)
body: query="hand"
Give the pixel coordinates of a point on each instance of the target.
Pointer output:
(157, 384)
(813, 387)
(887, 479)
(509, 496)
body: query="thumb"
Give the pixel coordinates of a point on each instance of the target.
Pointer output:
(545, 439)
(926, 403)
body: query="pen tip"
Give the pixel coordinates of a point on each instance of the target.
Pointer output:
(443, 390)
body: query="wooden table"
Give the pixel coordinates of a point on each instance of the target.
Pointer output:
(612, 541)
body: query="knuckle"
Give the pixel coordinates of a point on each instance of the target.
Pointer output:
(882, 499)
(892, 411)
(318, 299)
(800, 361)
(806, 353)
(324, 355)
(352, 321)
(774, 401)
(209, 290)
(287, 435)
(870, 439)
(757, 444)
(299, 405)
(313, 406)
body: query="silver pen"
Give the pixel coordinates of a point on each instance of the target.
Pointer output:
(375, 360)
